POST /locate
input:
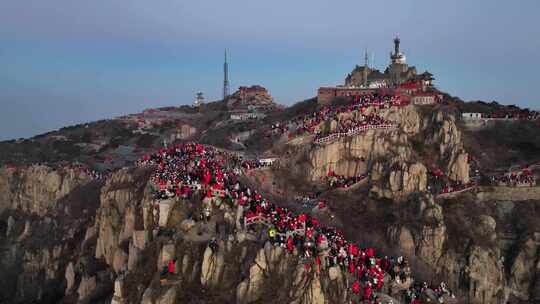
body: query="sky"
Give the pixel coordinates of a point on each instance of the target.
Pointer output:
(64, 62)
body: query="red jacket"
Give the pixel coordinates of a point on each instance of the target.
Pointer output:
(370, 252)
(356, 287)
(171, 266)
(290, 244)
(367, 292)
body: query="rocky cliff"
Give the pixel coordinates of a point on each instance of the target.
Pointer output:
(67, 238)
(396, 160)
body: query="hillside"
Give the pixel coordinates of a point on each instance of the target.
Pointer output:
(368, 197)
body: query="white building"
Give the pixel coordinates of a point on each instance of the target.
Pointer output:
(269, 161)
(471, 115)
(247, 116)
(199, 100)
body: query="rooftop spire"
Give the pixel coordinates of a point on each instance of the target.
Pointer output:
(396, 45)
(366, 59)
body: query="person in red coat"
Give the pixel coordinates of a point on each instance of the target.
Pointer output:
(416, 301)
(370, 252)
(290, 244)
(171, 266)
(356, 287)
(368, 290)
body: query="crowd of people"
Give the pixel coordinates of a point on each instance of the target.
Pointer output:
(93, 174)
(521, 178)
(457, 186)
(310, 202)
(250, 164)
(441, 184)
(350, 127)
(181, 167)
(340, 181)
(308, 123)
(522, 114)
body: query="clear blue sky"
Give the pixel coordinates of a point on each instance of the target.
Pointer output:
(64, 62)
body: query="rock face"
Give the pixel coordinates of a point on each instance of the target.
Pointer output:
(485, 275)
(390, 157)
(459, 168)
(402, 181)
(447, 137)
(70, 277)
(403, 237)
(119, 214)
(524, 270)
(212, 267)
(351, 156)
(36, 189)
(120, 247)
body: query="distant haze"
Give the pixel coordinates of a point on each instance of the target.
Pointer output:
(64, 62)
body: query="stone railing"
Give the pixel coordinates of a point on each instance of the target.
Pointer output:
(354, 131)
(455, 192)
(257, 219)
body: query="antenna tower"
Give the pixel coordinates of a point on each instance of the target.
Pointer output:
(225, 78)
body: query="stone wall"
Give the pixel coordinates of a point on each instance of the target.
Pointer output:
(509, 193)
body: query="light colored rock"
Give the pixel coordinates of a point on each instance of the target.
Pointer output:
(140, 239)
(86, 287)
(403, 180)
(185, 263)
(169, 297)
(70, 277)
(403, 238)
(431, 243)
(128, 224)
(334, 273)
(485, 276)
(187, 224)
(133, 257)
(508, 194)
(10, 223)
(36, 189)
(120, 261)
(119, 288)
(212, 267)
(487, 227)
(108, 233)
(165, 208)
(90, 234)
(524, 269)
(458, 168)
(147, 297)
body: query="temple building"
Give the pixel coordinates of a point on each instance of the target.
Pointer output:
(397, 76)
